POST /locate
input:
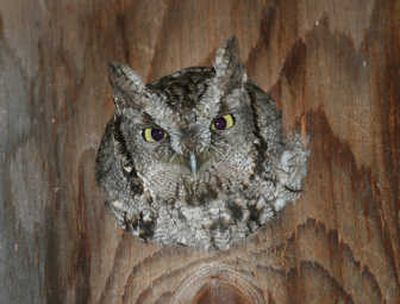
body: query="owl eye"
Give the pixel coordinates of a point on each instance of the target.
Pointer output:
(223, 122)
(154, 134)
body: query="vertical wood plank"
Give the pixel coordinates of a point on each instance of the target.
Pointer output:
(332, 66)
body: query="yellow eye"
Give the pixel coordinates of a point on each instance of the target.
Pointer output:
(224, 122)
(153, 134)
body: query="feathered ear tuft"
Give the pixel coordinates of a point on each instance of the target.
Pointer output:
(229, 71)
(128, 87)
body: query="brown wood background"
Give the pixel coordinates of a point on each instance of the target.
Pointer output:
(332, 66)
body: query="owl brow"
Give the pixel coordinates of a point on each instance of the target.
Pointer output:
(148, 121)
(146, 118)
(226, 108)
(161, 117)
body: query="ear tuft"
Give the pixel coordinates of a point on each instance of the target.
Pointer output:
(229, 70)
(127, 85)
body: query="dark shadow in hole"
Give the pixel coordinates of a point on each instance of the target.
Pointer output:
(216, 291)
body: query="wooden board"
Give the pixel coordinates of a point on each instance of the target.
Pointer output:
(332, 66)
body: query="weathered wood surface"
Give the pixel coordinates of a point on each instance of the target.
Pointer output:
(332, 66)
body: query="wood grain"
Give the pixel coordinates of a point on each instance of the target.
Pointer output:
(332, 66)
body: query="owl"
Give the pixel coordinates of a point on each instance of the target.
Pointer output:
(198, 157)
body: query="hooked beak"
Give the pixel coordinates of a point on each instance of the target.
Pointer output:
(193, 163)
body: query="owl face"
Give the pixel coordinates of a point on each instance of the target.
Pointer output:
(190, 135)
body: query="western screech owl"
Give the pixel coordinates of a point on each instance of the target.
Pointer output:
(196, 158)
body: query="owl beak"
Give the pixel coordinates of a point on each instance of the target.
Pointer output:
(193, 164)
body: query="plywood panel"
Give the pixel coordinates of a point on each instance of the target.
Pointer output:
(332, 66)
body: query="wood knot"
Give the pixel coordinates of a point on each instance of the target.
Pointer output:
(217, 283)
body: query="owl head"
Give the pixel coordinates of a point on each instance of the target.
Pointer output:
(189, 136)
